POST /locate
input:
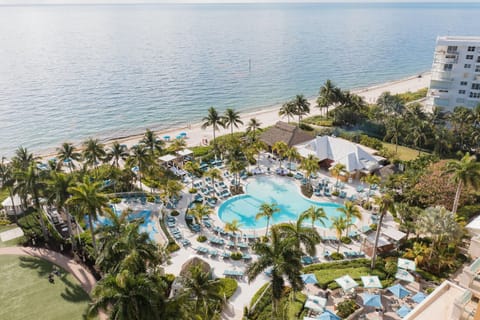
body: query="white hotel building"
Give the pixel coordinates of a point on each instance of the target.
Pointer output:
(455, 79)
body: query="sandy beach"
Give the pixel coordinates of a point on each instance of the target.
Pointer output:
(269, 116)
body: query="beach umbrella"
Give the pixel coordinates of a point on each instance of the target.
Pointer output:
(372, 300)
(404, 275)
(371, 282)
(328, 315)
(346, 282)
(406, 264)
(399, 291)
(419, 297)
(309, 278)
(403, 311)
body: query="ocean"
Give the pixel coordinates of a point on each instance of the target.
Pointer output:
(68, 72)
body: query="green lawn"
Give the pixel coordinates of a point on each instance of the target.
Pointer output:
(25, 292)
(404, 153)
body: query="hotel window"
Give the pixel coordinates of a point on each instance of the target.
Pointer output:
(471, 49)
(475, 86)
(452, 49)
(463, 83)
(469, 57)
(461, 91)
(467, 66)
(447, 67)
(477, 68)
(474, 95)
(478, 59)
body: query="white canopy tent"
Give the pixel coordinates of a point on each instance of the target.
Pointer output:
(11, 208)
(371, 282)
(185, 152)
(406, 264)
(353, 156)
(167, 158)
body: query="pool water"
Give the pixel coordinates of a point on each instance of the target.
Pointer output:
(279, 190)
(148, 225)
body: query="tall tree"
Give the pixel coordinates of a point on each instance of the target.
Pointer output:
(465, 172)
(339, 224)
(252, 126)
(233, 227)
(300, 235)
(88, 197)
(314, 214)
(280, 148)
(141, 158)
(371, 180)
(215, 174)
(152, 143)
(327, 96)
(292, 155)
(310, 166)
(199, 211)
(385, 204)
(117, 152)
(67, 154)
(350, 210)
(288, 110)
(214, 120)
(23, 159)
(394, 130)
(231, 118)
(7, 181)
(302, 106)
(267, 210)
(93, 152)
(284, 261)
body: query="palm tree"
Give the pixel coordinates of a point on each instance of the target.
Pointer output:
(233, 227)
(292, 154)
(93, 152)
(141, 158)
(287, 110)
(371, 180)
(67, 154)
(173, 189)
(199, 211)
(267, 211)
(23, 159)
(252, 126)
(117, 152)
(314, 214)
(231, 119)
(302, 106)
(310, 166)
(29, 182)
(465, 172)
(284, 261)
(214, 120)
(177, 145)
(191, 167)
(236, 167)
(280, 148)
(300, 235)
(340, 224)
(215, 174)
(152, 143)
(336, 170)
(7, 181)
(417, 134)
(128, 295)
(87, 195)
(327, 95)
(350, 210)
(385, 203)
(394, 130)
(57, 194)
(205, 292)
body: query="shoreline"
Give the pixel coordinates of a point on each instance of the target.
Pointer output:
(267, 115)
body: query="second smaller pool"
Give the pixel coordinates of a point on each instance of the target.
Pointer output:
(279, 190)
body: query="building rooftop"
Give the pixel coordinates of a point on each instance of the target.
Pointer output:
(291, 135)
(458, 39)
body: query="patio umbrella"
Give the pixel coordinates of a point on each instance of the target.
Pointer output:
(419, 297)
(328, 315)
(309, 278)
(372, 300)
(406, 264)
(403, 311)
(346, 282)
(404, 275)
(399, 291)
(322, 302)
(371, 282)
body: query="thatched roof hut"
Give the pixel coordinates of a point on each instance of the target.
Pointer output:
(282, 131)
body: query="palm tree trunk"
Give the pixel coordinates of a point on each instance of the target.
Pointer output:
(377, 236)
(268, 223)
(70, 230)
(92, 232)
(40, 216)
(457, 198)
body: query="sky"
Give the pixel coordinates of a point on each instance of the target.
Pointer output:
(217, 1)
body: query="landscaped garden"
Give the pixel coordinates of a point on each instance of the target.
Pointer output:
(26, 293)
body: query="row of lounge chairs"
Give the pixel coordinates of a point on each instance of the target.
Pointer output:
(233, 273)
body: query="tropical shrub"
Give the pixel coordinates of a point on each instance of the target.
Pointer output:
(346, 240)
(201, 238)
(370, 142)
(346, 308)
(337, 256)
(174, 213)
(172, 247)
(200, 151)
(192, 190)
(236, 255)
(229, 286)
(115, 200)
(305, 127)
(151, 199)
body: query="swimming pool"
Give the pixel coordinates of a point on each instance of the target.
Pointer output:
(277, 190)
(148, 225)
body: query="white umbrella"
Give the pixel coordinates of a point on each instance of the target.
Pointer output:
(313, 306)
(346, 282)
(371, 282)
(404, 275)
(406, 264)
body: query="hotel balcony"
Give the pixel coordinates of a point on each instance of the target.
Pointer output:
(441, 75)
(441, 102)
(445, 58)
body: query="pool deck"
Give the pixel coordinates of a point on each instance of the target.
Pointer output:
(246, 290)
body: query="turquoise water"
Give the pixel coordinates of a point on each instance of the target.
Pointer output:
(281, 191)
(148, 225)
(70, 72)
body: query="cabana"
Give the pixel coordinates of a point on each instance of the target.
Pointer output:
(404, 275)
(185, 152)
(371, 282)
(11, 208)
(346, 283)
(372, 300)
(399, 291)
(309, 278)
(167, 160)
(281, 131)
(368, 244)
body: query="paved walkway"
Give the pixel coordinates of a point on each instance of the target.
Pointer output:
(86, 279)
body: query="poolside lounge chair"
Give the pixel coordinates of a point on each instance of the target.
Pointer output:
(306, 260)
(213, 253)
(246, 257)
(299, 176)
(225, 255)
(342, 194)
(360, 189)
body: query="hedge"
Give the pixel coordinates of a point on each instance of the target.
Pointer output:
(229, 286)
